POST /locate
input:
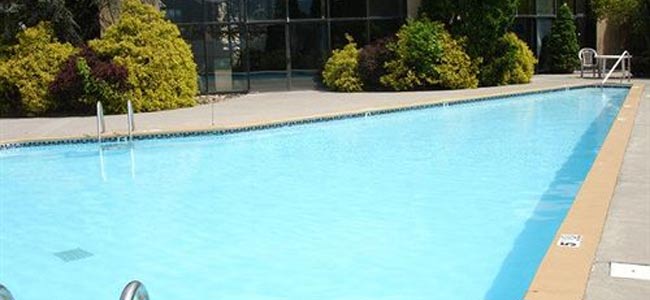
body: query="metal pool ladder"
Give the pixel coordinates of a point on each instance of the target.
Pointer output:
(129, 119)
(625, 68)
(5, 294)
(134, 290)
(101, 124)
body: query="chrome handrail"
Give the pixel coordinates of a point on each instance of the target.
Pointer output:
(624, 55)
(134, 290)
(5, 294)
(101, 124)
(129, 119)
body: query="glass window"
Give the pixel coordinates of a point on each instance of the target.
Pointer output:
(524, 28)
(577, 6)
(347, 8)
(384, 28)
(526, 7)
(193, 35)
(545, 7)
(357, 29)
(543, 29)
(308, 50)
(580, 6)
(385, 8)
(267, 57)
(183, 11)
(266, 9)
(223, 10)
(306, 9)
(225, 59)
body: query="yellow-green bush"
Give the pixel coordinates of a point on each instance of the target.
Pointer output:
(162, 72)
(341, 72)
(31, 66)
(426, 56)
(514, 64)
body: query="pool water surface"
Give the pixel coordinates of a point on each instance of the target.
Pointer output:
(457, 202)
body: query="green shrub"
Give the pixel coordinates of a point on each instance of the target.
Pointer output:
(161, 69)
(372, 61)
(561, 54)
(32, 65)
(341, 71)
(426, 56)
(515, 63)
(86, 78)
(480, 22)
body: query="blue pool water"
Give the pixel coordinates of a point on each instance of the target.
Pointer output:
(457, 202)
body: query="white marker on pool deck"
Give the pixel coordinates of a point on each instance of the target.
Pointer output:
(630, 271)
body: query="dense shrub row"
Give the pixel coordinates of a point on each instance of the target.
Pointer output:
(424, 55)
(141, 58)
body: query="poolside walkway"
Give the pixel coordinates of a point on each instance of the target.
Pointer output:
(256, 108)
(626, 237)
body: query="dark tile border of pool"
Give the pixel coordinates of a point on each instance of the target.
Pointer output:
(284, 123)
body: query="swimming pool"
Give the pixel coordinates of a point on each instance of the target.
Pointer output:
(457, 202)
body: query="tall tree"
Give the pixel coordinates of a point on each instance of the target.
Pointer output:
(73, 21)
(562, 50)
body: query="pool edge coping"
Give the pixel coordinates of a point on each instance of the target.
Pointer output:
(564, 272)
(291, 121)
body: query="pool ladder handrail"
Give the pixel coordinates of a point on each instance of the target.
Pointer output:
(626, 72)
(134, 290)
(101, 124)
(5, 294)
(129, 119)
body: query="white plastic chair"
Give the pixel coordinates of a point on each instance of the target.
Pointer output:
(588, 61)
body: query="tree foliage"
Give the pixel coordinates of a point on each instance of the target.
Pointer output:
(562, 48)
(372, 63)
(633, 16)
(482, 22)
(73, 21)
(515, 63)
(426, 56)
(86, 78)
(32, 65)
(161, 69)
(341, 72)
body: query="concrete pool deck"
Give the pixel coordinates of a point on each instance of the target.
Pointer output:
(257, 108)
(626, 235)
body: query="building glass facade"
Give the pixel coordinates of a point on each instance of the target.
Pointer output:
(266, 45)
(535, 17)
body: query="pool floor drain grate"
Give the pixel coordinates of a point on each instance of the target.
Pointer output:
(73, 254)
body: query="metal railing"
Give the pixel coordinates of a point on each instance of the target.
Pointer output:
(625, 56)
(129, 119)
(5, 294)
(101, 124)
(134, 290)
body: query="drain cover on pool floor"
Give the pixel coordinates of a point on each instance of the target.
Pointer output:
(631, 271)
(73, 254)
